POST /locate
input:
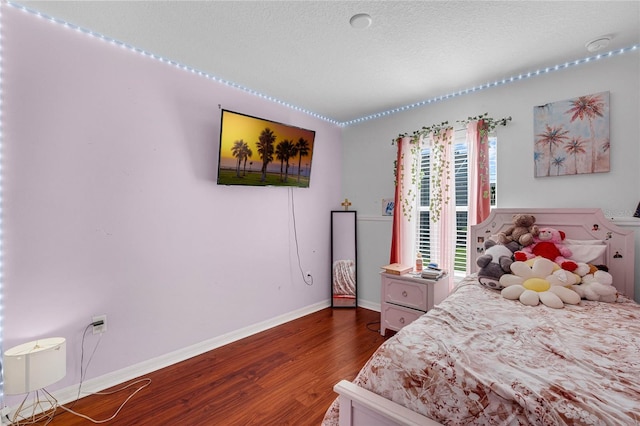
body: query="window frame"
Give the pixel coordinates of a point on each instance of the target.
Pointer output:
(423, 238)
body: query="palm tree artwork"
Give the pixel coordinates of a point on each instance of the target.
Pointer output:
(552, 137)
(265, 150)
(280, 155)
(590, 107)
(576, 128)
(270, 145)
(575, 148)
(241, 151)
(247, 154)
(302, 146)
(284, 151)
(558, 163)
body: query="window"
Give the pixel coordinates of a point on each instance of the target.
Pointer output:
(461, 177)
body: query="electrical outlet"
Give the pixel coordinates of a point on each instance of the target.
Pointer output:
(99, 324)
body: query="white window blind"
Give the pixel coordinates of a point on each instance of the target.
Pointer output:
(424, 236)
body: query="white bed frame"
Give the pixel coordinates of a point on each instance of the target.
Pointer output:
(360, 407)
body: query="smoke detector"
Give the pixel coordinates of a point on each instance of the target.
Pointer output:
(598, 43)
(361, 20)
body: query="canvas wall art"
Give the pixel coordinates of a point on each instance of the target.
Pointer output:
(572, 136)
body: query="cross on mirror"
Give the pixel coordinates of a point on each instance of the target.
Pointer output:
(346, 203)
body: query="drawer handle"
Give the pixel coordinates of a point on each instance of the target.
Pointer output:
(401, 320)
(404, 293)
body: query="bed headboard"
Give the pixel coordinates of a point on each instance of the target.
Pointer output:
(578, 224)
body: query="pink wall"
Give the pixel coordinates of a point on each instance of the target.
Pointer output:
(111, 204)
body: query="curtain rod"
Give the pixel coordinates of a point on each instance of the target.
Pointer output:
(492, 124)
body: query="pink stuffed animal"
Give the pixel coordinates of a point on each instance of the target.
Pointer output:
(548, 244)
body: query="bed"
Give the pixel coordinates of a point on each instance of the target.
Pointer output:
(478, 358)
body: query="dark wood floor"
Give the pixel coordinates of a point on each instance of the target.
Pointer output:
(282, 376)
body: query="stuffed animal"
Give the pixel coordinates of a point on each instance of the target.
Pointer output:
(548, 244)
(538, 283)
(495, 262)
(522, 231)
(561, 276)
(597, 286)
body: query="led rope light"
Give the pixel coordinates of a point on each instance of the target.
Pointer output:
(1, 215)
(170, 62)
(493, 84)
(313, 114)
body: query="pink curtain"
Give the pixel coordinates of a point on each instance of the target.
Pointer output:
(479, 186)
(396, 234)
(404, 211)
(444, 198)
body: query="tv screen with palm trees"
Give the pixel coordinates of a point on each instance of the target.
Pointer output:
(259, 152)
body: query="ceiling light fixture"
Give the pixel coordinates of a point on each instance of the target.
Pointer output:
(598, 43)
(361, 20)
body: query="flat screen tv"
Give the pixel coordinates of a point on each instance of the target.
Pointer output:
(259, 152)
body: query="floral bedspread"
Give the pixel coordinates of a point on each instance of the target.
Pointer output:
(480, 359)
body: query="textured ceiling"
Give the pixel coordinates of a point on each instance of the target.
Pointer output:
(306, 54)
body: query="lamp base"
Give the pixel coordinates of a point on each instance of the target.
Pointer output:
(42, 408)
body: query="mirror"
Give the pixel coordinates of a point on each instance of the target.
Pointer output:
(343, 259)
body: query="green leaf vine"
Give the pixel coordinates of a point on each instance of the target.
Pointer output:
(407, 201)
(491, 123)
(441, 176)
(488, 125)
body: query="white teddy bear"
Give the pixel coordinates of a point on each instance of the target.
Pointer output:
(597, 287)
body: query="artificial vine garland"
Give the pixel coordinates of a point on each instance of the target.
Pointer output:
(407, 201)
(491, 123)
(440, 173)
(488, 125)
(440, 180)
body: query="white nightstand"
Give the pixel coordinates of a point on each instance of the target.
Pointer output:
(404, 298)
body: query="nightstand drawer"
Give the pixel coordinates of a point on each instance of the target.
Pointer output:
(403, 298)
(406, 293)
(396, 317)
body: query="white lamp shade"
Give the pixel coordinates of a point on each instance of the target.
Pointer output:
(34, 365)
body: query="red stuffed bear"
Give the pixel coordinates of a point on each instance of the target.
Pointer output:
(548, 244)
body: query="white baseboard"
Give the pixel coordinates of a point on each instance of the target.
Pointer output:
(369, 305)
(115, 378)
